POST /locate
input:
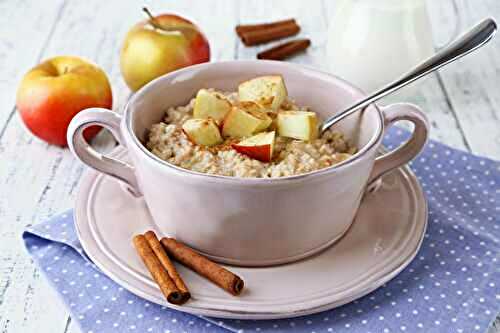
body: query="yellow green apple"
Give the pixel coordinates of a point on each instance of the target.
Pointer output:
(160, 45)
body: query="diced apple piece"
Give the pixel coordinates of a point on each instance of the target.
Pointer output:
(274, 121)
(302, 125)
(245, 119)
(259, 147)
(203, 132)
(211, 104)
(269, 91)
(264, 124)
(259, 112)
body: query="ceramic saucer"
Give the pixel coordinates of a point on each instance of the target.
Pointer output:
(384, 238)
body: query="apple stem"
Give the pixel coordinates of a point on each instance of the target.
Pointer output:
(152, 19)
(157, 25)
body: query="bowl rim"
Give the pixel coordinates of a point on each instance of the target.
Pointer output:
(355, 159)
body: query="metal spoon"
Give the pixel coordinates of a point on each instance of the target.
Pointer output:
(468, 42)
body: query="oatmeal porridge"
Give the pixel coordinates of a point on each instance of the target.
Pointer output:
(256, 132)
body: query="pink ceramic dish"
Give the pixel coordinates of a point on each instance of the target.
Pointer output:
(250, 221)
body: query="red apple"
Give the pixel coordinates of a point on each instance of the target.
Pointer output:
(53, 92)
(259, 147)
(160, 45)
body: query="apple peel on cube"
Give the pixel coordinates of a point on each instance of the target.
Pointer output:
(269, 91)
(259, 146)
(245, 119)
(203, 132)
(211, 104)
(301, 125)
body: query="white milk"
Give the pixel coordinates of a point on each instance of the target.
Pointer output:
(372, 42)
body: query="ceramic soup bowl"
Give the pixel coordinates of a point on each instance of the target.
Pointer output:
(249, 221)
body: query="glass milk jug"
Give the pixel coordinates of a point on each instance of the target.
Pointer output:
(372, 42)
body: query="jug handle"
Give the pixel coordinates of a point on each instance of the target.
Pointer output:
(457, 28)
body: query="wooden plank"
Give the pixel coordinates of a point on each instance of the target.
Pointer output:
(21, 22)
(20, 283)
(13, 61)
(46, 181)
(310, 16)
(430, 97)
(471, 85)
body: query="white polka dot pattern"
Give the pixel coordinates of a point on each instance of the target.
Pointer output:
(451, 286)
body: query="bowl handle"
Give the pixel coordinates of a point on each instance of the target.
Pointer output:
(406, 152)
(89, 156)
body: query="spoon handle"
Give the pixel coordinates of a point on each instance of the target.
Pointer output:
(468, 42)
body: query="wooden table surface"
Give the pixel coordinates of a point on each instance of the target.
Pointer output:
(38, 180)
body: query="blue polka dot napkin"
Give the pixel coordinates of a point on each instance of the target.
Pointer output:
(453, 285)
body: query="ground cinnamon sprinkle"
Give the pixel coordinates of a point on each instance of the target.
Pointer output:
(225, 146)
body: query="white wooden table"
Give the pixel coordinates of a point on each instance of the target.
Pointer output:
(38, 180)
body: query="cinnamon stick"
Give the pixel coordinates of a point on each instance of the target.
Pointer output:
(162, 256)
(203, 266)
(243, 28)
(158, 272)
(285, 50)
(259, 36)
